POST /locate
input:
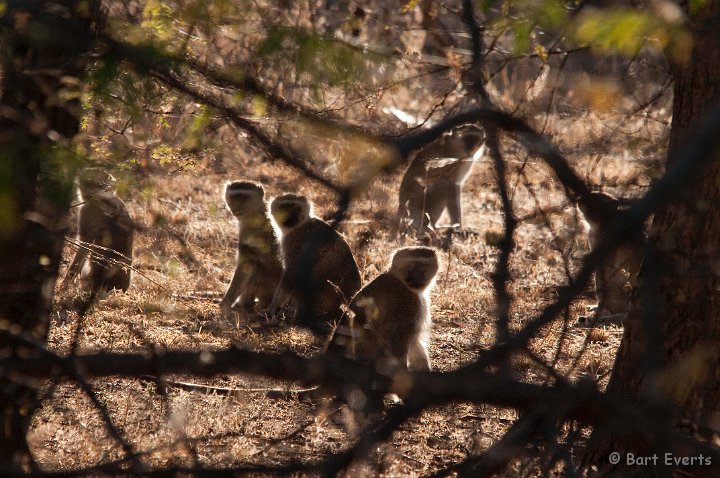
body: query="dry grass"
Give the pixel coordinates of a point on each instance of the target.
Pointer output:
(185, 245)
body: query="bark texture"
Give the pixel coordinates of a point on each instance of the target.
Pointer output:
(668, 358)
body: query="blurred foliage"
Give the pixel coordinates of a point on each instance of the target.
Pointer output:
(614, 29)
(523, 17)
(695, 5)
(124, 91)
(272, 43)
(409, 6)
(165, 21)
(54, 179)
(158, 20)
(165, 154)
(320, 59)
(627, 31)
(259, 106)
(59, 171)
(599, 94)
(196, 129)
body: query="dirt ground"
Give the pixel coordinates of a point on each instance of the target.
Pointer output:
(185, 248)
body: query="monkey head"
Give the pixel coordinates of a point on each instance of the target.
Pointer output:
(290, 210)
(415, 266)
(244, 197)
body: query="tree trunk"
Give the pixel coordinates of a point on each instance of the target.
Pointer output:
(670, 350)
(43, 47)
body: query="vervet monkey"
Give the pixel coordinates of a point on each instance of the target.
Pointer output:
(615, 275)
(392, 313)
(105, 232)
(433, 182)
(320, 271)
(258, 268)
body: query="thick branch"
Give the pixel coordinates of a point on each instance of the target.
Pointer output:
(584, 402)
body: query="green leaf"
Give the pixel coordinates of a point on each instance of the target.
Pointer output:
(627, 30)
(522, 32)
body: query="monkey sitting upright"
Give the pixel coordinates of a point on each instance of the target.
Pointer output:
(258, 268)
(105, 233)
(392, 320)
(320, 273)
(433, 182)
(616, 274)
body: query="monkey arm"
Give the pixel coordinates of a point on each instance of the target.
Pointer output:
(76, 265)
(281, 297)
(124, 231)
(87, 232)
(237, 285)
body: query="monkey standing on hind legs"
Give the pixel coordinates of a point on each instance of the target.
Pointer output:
(619, 269)
(105, 232)
(320, 273)
(433, 182)
(258, 268)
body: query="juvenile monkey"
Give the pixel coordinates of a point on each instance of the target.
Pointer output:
(105, 231)
(619, 269)
(258, 268)
(392, 313)
(433, 182)
(320, 271)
